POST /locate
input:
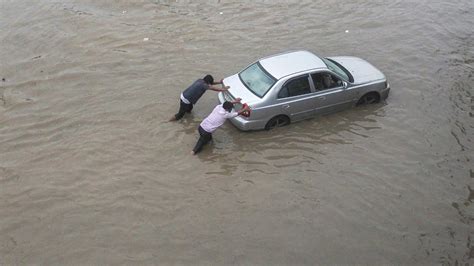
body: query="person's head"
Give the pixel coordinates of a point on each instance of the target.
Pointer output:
(228, 106)
(209, 79)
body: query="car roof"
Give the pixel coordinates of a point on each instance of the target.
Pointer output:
(285, 64)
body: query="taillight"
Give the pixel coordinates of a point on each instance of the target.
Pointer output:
(247, 112)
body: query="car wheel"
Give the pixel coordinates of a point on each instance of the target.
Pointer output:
(277, 121)
(369, 98)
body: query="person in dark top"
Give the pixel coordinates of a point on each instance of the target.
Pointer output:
(191, 95)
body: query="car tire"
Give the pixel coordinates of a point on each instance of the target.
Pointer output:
(277, 121)
(369, 98)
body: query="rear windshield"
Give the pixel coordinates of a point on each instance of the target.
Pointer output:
(256, 79)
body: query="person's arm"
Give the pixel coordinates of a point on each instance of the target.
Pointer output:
(216, 88)
(237, 100)
(218, 82)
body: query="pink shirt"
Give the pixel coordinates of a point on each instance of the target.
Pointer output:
(216, 118)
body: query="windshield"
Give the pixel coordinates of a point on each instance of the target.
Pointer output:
(338, 69)
(257, 80)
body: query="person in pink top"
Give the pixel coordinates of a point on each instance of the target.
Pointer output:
(214, 120)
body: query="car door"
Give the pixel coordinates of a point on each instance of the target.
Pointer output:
(331, 94)
(295, 98)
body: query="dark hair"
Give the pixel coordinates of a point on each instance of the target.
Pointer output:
(209, 79)
(228, 106)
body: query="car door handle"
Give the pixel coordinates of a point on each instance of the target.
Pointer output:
(285, 106)
(321, 98)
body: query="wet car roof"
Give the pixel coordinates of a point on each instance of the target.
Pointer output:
(289, 63)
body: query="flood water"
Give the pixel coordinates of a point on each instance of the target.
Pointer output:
(91, 172)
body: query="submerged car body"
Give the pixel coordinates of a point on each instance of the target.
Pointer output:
(296, 85)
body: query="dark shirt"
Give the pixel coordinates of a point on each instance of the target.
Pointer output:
(195, 91)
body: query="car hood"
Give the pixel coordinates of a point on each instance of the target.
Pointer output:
(238, 90)
(361, 70)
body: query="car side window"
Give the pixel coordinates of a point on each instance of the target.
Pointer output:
(295, 87)
(324, 81)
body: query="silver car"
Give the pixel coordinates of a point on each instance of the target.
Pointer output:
(293, 86)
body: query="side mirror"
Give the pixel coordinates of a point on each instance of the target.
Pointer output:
(344, 84)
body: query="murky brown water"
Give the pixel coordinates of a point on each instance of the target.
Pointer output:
(90, 172)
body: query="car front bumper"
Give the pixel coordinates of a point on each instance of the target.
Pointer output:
(384, 93)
